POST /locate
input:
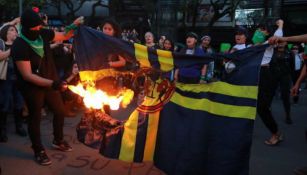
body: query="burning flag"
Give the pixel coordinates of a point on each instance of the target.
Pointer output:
(183, 128)
(95, 98)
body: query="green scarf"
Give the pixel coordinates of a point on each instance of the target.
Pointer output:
(70, 28)
(37, 45)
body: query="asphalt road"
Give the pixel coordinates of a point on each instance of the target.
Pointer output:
(16, 157)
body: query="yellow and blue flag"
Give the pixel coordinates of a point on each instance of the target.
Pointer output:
(190, 128)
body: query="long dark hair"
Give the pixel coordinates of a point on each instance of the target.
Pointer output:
(172, 43)
(114, 24)
(4, 30)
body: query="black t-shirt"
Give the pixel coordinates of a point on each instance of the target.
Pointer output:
(44, 67)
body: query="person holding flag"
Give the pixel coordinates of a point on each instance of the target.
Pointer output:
(295, 88)
(299, 38)
(38, 81)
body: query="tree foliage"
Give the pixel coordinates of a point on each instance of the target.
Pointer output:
(10, 8)
(222, 8)
(73, 6)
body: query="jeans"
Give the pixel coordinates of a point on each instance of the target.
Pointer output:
(11, 97)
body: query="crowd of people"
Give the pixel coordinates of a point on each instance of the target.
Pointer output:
(36, 66)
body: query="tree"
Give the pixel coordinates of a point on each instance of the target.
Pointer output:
(56, 4)
(193, 10)
(222, 8)
(9, 9)
(73, 6)
(98, 3)
(151, 8)
(115, 6)
(219, 8)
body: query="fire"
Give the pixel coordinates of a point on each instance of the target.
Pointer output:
(96, 99)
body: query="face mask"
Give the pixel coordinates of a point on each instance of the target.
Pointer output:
(30, 34)
(259, 37)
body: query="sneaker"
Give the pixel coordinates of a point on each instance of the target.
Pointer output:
(42, 158)
(62, 146)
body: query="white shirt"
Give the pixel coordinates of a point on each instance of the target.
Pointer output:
(189, 52)
(267, 56)
(298, 62)
(239, 46)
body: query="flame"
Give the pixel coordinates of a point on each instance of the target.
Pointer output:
(96, 99)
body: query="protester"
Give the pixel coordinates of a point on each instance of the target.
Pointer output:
(63, 59)
(206, 46)
(296, 64)
(150, 40)
(281, 73)
(295, 88)
(168, 45)
(38, 80)
(266, 91)
(133, 36)
(111, 28)
(111, 84)
(193, 74)
(241, 36)
(261, 34)
(10, 96)
(161, 41)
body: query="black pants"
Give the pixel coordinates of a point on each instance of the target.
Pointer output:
(282, 79)
(265, 97)
(268, 84)
(35, 99)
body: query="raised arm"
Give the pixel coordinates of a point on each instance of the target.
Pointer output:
(277, 39)
(298, 38)
(62, 36)
(14, 22)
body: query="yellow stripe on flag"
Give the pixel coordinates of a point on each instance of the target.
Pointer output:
(129, 138)
(221, 88)
(246, 112)
(141, 55)
(99, 74)
(151, 136)
(166, 60)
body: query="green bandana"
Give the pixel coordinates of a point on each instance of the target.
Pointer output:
(259, 37)
(37, 45)
(70, 28)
